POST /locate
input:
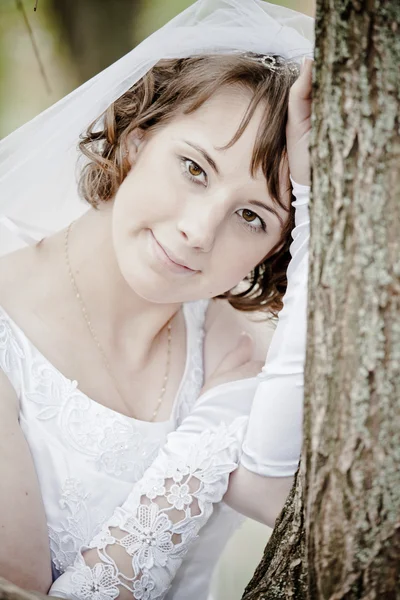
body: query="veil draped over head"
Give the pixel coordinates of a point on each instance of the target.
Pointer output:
(38, 162)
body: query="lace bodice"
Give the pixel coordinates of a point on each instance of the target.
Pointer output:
(87, 456)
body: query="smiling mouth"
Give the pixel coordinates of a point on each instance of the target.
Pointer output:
(170, 259)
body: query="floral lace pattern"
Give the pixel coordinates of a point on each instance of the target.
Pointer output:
(98, 583)
(112, 443)
(160, 518)
(115, 443)
(111, 440)
(149, 537)
(142, 588)
(78, 526)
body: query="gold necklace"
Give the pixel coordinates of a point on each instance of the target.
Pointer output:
(96, 339)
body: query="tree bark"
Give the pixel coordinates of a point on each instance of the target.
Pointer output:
(282, 575)
(350, 545)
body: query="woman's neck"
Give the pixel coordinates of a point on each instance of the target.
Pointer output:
(123, 321)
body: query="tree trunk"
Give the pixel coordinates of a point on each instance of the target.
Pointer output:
(350, 545)
(282, 573)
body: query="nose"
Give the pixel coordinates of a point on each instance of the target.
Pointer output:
(200, 222)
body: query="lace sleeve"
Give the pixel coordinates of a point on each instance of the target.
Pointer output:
(140, 548)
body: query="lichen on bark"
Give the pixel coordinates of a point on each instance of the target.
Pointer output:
(351, 454)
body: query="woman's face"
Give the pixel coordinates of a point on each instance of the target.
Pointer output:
(189, 220)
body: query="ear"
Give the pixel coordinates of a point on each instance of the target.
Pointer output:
(134, 144)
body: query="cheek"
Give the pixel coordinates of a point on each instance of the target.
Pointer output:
(140, 203)
(232, 264)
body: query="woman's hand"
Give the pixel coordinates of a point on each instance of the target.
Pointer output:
(299, 125)
(237, 364)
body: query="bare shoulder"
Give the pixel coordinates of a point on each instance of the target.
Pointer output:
(26, 277)
(223, 326)
(15, 274)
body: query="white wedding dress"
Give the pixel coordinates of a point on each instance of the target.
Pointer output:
(87, 456)
(156, 489)
(111, 483)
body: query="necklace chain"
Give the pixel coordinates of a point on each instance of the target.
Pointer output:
(95, 338)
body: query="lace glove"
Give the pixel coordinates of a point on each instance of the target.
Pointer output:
(273, 440)
(140, 548)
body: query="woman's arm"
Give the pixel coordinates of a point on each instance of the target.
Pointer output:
(24, 548)
(259, 498)
(142, 545)
(272, 445)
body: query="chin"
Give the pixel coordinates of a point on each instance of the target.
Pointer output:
(163, 293)
(160, 287)
(154, 289)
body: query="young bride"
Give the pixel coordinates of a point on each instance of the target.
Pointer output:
(107, 330)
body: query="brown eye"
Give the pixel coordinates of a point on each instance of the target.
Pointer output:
(248, 215)
(194, 169)
(251, 220)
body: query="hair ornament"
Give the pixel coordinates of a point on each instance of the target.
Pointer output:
(274, 62)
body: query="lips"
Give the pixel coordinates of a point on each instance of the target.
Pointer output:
(172, 258)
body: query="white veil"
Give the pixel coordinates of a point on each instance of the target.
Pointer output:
(38, 191)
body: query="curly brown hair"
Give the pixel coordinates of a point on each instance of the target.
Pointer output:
(180, 86)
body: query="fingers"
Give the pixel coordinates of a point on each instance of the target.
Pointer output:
(302, 86)
(236, 365)
(250, 369)
(300, 103)
(238, 356)
(245, 371)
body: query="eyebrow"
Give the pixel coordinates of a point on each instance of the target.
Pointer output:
(212, 164)
(204, 154)
(268, 208)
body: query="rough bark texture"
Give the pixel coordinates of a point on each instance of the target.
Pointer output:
(352, 487)
(283, 575)
(351, 452)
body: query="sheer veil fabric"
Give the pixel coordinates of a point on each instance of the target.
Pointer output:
(39, 161)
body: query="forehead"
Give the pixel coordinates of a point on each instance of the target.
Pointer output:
(212, 127)
(219, 118)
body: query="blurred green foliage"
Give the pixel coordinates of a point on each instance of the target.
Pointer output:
(76, 39)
